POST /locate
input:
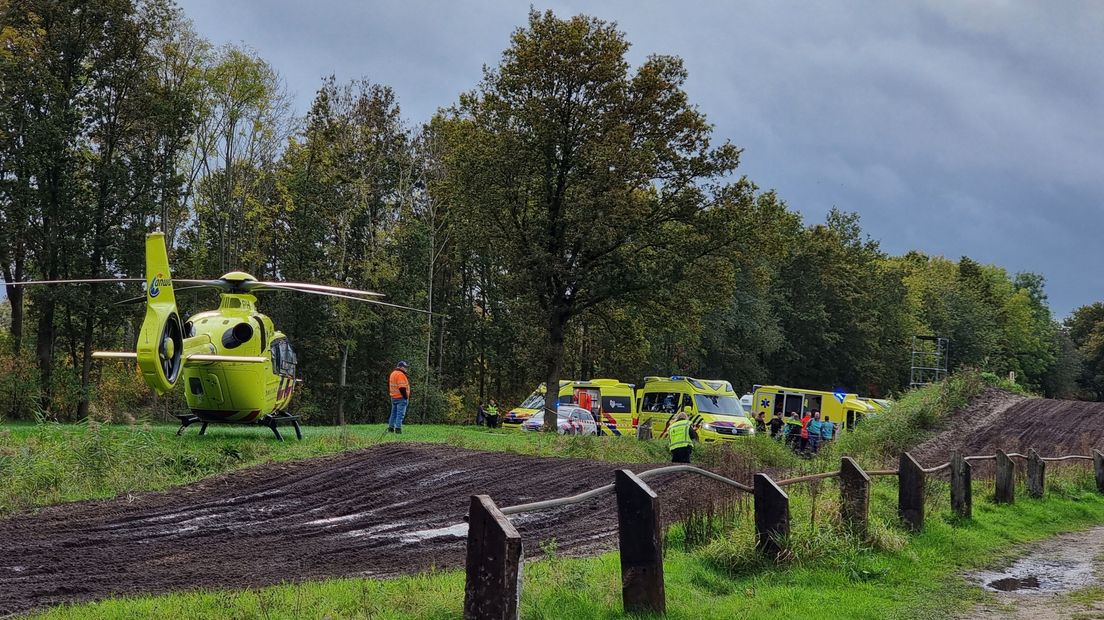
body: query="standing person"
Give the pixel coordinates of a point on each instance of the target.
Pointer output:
(827, 431)
(681, 436)
(793, 430)
(761, 422)
(481, 415)
(399, 386)
(814, 426)
(805, 419)
(776, 424)
(492, 414)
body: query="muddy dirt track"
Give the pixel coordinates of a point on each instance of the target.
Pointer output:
(382, 511)
(1000, 420)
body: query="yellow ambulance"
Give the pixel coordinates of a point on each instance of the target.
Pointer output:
(843, 409)
(715, 409)
(611, 402)
(532, 404)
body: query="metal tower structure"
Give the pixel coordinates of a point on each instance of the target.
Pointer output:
(929, 360)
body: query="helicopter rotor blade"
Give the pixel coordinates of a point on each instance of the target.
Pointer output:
(275, 286)
(222, 285)
(309, 288)
(78, 281)
(142, 298)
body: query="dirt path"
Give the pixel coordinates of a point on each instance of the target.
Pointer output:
(998, 419)
(1049, 583)
(383, 511)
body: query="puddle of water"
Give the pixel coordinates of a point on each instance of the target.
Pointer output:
(1060, 572)
(1011, 584)
(460, 530)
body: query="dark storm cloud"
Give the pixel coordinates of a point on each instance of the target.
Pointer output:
(956, 128)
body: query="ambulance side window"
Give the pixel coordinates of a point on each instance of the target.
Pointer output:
(616, 404)
(660, 402)
(777, 403)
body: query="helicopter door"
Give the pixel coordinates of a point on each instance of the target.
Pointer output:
(212, 389)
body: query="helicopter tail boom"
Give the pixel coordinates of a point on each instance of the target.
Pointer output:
(204, 358)
(114, 355)
(161, 341)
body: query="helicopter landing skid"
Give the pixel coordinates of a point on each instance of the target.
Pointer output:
(271, 421)
(186, 420)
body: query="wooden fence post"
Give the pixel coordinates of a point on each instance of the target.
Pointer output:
(1036, 474)
(854, 496)
(910, 492)
(1098, 467)
(641, 543)
(493, 587)
(962, 495)
(1006, 479)
(772, 516)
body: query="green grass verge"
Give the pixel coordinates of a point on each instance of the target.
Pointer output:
(831, 575)
(44, 464)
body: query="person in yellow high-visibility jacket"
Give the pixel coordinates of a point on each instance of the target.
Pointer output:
(681, 436)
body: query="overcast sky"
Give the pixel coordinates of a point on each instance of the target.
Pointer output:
(957, 128)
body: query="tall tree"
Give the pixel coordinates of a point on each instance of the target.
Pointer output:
(84, 129)
(244, 124)
(1086, 331)
(586, 178)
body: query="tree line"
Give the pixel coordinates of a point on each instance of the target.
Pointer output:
(570, 216)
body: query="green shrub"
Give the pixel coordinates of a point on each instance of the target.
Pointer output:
(119, 394)
(431, 404)
(1004, 383)
(19, 384)
(910, 418)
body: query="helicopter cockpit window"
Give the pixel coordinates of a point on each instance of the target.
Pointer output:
(283, 358)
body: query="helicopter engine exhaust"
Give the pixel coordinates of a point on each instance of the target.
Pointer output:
(237, 335)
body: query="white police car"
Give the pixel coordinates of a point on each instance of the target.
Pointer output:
(570, 420)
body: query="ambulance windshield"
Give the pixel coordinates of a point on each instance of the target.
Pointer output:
(719, 405)
(535, 401)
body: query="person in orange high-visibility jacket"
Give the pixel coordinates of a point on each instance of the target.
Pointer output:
(399, 386)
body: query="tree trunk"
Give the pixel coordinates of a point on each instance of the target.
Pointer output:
(553, 366)
(44, 349)
(86, 366)
(341, 386)
(15, 299)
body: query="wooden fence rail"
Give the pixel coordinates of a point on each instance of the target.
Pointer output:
(495, 554)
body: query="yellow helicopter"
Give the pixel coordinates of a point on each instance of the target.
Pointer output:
(236, 367)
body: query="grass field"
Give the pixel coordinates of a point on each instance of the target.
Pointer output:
(43, 464)
(710, 574)
(891, 575)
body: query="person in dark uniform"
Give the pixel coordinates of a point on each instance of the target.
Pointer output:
(776, 425)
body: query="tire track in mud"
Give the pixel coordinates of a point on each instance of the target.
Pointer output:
(387, 510)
